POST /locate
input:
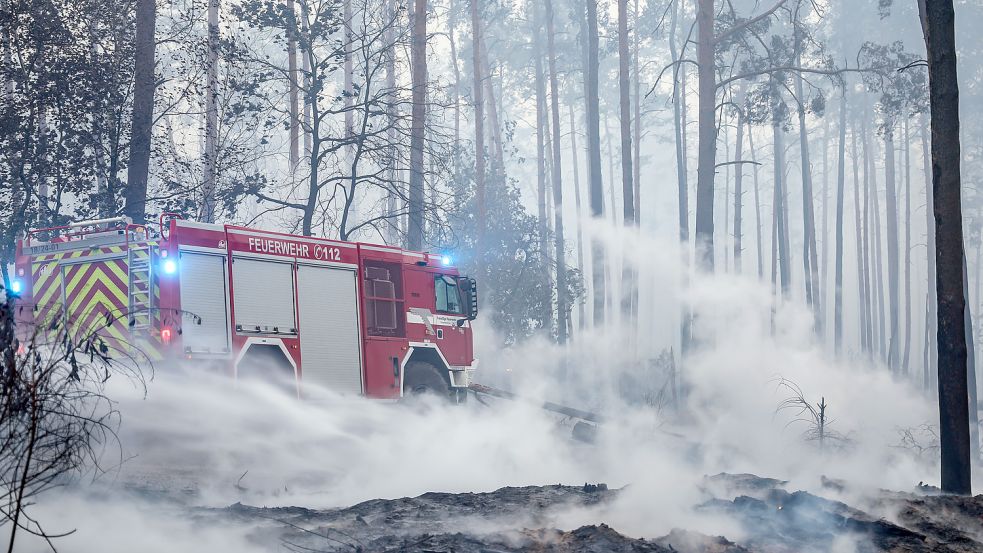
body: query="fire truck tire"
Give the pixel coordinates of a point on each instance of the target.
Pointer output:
(423, 378)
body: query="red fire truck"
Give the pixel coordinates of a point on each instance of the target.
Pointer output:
(319, 314)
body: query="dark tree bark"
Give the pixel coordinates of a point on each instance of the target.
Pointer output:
(141, 127)
(562, 310)
(938, 24)
(414, 239)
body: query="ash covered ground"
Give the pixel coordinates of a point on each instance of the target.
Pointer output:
(510, 519)
(763, 514)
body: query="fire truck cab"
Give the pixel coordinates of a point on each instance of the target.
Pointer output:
(314, 313)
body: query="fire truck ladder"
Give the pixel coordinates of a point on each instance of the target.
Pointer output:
(141, 300)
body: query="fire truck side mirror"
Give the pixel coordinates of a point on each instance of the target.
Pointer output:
(469, 292)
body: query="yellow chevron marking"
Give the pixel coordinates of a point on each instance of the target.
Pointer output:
(78, 313)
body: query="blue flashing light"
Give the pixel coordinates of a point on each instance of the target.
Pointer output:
(446, 260)
(16, 286)
(169, 266)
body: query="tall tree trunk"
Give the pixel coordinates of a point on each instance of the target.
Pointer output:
(810, 260)
(293, 96)
(141, 126)
(305, 29)
(738, 190)
(393, 221)
(707, 133)
(779, 234)
(562, 310)
(637, 129)
(875, 259)
(349, 90)
(628, 291)
(678, 115)
(931, 345)
(862, 249)
(892, 246)
(637, 153)
(938, 24)
(612, 199)
(498, 148)
(682, 169)
(624, 84)
(418, 124)
(594, 155)
(207, 211)
(838, 254)
(974, 421)
(581, 307)
(479, 136)
(757, 201)
(868, 281)
(541, 128)
(905, 359)
(456, 89)
(824, 232)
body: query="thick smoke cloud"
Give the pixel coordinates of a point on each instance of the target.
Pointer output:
(201, 440)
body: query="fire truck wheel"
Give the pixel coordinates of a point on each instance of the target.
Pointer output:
(423, 378)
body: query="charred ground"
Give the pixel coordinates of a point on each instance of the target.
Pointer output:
(512, 519)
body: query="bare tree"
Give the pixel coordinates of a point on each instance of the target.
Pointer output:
(55, 419)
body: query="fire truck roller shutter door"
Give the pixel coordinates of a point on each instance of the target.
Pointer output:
(264, 296)
(329, 337)
(203, 295)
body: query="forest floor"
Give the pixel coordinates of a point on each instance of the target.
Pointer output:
(770, 518)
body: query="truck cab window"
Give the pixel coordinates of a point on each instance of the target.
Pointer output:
(448, 298)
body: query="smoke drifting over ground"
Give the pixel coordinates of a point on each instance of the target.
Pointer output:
(200, 441)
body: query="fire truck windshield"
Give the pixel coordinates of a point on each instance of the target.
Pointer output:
(448, 297)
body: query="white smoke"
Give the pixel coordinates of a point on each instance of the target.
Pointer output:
(203, 441)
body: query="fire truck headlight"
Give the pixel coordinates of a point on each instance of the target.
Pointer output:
(446, 260)
(169, 266)
(16, 286)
